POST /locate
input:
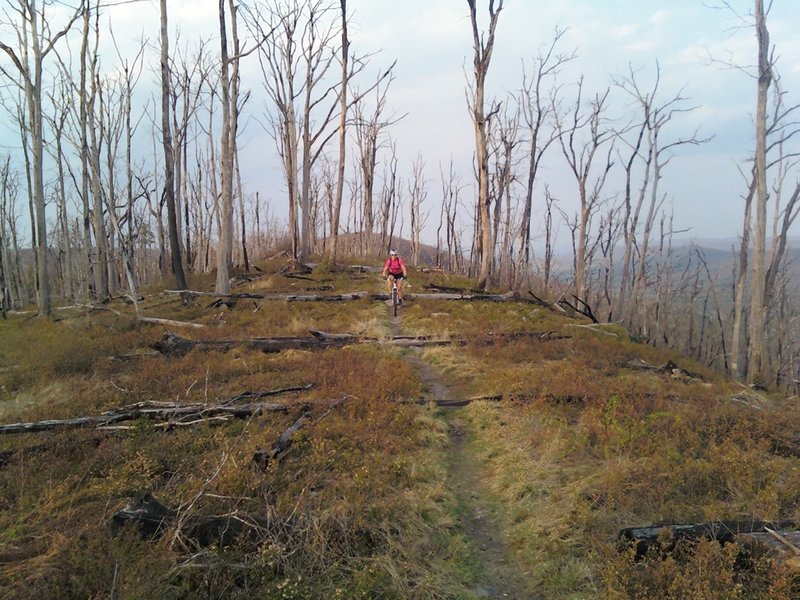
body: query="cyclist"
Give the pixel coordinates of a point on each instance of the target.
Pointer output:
(395, 270)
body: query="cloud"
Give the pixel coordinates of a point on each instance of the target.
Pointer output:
(660, 17)
(623, 31)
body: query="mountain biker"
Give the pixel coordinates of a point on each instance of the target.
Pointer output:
(395, 270)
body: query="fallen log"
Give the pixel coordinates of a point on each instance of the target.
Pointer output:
(262, 458)
(781, 545)
(668, 368)
(507, 297)
(267, 393)
(539, 302)
(425, 343)
(580, 307)
(324, 335)
(665, 537)
(194, 293)
(238, 280)
(435, 288)
(169, 322)
(277, 297)
(298, 276)
(455, 403)
(174, 414)
(151, 519)
(172, 344)
(320, 298)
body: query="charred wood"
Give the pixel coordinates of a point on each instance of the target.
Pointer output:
(151, 519)
(665, 537)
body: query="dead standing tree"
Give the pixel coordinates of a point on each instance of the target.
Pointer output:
(295, 57)
(229, 85)
(190, 72)
(649, 155)
(503, 140)
(389, 199)
(169, 157)
(537, 109)
(94, 143)
(58, 123)
(451, 201)
(483, 46)
(418, 193)
(772, 132)
(758, 299)
(368, 130)
(8, 286)
(14, 283)
(37, 40)
(336, 201)
(580, 156)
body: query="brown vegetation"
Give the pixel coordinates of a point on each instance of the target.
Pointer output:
(584, 443)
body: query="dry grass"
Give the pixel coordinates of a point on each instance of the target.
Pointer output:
(591, 447)
(359, 507)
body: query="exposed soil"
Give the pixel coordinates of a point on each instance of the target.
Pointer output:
(497, 577)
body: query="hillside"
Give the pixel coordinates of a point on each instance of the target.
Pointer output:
(467, 448)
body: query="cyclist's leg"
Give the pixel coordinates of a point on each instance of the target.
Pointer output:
(400, 289)
(389, 281)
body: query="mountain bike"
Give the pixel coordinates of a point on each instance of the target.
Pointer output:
(394, 296)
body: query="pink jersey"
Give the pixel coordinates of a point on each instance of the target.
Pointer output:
(395, 266)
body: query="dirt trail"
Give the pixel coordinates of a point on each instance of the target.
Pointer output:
(497, 577)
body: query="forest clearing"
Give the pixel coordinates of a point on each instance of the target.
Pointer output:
(347, 479)
(580, 381)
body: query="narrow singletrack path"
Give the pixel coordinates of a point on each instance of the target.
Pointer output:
(496, 575)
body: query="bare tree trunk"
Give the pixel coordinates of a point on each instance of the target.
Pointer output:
(240, 193)
(548, 243)
(169, 158)
(69, 276)
(229, 88)
(740, 287)
(758, 300)
(418, 193)
(483, 47)
(84, 152)
(340, 168)
(536, 110)
(95, 120)
(580, 159)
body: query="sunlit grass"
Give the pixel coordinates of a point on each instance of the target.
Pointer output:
(581, 446)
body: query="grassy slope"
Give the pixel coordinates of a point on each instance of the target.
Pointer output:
(360, 507)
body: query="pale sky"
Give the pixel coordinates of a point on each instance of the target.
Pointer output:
(431, 41)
